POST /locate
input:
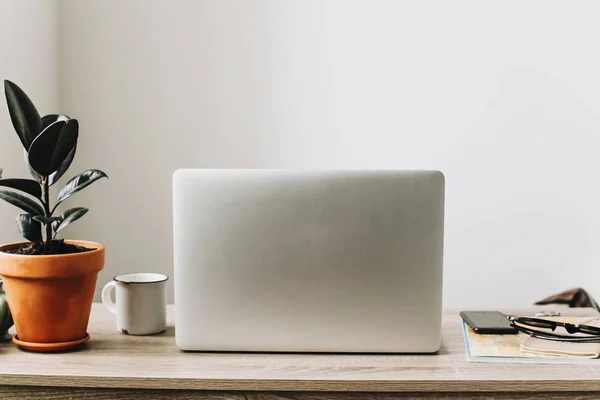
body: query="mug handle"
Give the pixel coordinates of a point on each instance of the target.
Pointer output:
(107, 299)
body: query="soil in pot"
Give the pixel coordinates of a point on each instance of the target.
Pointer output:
(52, 247)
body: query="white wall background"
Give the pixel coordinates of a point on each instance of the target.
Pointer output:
(504, 97)
(28, 57)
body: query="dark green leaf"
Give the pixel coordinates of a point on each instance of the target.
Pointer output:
(30, 229)
(28, 186)
(79, 182)
(46, 220)
(51, 147)
(24, 203)
(49, 119)
(70, 215)
(23, 114)
(52, 179)
(34, 174)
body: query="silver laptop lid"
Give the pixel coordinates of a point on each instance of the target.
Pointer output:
(332, 261)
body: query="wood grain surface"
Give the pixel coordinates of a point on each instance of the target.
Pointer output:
(115, 361)
(52, 393)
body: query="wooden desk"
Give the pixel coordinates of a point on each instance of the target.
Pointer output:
(113, 365)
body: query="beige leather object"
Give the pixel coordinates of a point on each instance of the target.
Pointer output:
(564, 349)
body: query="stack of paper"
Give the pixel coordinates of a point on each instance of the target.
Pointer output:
(522, 348)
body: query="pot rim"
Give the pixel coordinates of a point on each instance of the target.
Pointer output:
(98, 247)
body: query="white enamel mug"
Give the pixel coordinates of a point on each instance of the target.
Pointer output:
(141, 302)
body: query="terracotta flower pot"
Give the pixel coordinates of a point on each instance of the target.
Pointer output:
(50, 297)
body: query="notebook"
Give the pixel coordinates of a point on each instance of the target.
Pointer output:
(521, 348)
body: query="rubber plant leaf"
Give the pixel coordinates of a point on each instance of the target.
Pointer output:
(28, 186)
(34, 174)
(52, 146)
(67, 217)
(46, 220)
(23, 202)
(55, 176)
(23, 114)
(78, 183)
(49, 119)
(30, 229)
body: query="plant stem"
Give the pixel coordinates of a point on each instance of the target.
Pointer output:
(46, 192)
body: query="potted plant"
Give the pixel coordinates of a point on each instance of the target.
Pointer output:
(49, 282)
(5, 316)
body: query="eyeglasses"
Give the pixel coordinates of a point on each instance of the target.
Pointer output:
(528, 325)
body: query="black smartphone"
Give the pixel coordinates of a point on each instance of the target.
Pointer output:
(488, 322)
